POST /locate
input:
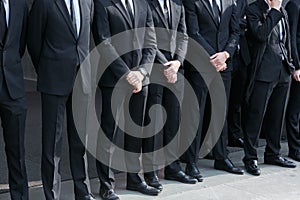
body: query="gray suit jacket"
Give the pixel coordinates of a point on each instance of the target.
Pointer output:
(111, 19)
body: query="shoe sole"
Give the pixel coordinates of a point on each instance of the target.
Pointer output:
(174, 179)
(135, 190)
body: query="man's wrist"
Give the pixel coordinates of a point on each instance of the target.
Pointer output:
(143, 72)
(227, 55)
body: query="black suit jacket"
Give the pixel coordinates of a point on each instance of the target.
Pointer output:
(171, 46)
(263, 39)
(110, 19)
(244, 49)
(55, 50)
(293, 10)
(213, 36)
(13, 48)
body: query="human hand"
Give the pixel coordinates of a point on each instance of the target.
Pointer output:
(276, 4)
(296, 75)
(171, 72)
(218, 60)
(135, 79)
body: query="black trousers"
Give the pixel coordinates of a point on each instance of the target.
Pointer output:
(220, 148)
(236, 101)
(220, 151)
(293, 119)
(266, 105)
(109, 125)
(197, 83)
(293, 132)
(13, 116)
(53, 115)
(170, 98)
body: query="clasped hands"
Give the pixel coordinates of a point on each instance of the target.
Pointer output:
(218, 60)
(296, 75)
(171, 72)
(135, 78)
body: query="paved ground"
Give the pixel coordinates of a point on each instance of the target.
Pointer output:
(275, 182)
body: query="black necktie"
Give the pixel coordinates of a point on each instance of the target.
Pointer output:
(166, 12)
(216, 10)
(3, 25)
(129, 10)
(73, 18)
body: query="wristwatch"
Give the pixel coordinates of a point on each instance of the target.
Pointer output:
(143, 72)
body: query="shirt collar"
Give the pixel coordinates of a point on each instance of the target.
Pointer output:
(269, 7)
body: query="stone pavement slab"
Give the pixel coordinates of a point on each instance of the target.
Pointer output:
(275, 183)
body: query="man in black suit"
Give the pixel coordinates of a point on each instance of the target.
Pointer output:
(13, 105)
(58, 42)
(131, 72)
(269, 42)
(240, 61)
(293, 109)
(169, 19)
(214, 25)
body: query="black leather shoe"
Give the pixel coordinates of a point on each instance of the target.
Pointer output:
(87, 197)
(227, 165)
(108, 194)
(252, 167)
(236, 142)
(181, 177)
(279, 161)
(91, 197)
(192, 170)
(209, 156)
(295, 156)
(144, 189)
(153, 181)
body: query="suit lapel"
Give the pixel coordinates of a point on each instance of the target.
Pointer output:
(224, 5)
(159, 11)
(11, 23)
(122, 10)
(137, 9)
(285, 25)
(65, 13)
(208, 8)
(81, 7)
(174, 14)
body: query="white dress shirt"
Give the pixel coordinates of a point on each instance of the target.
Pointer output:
(6, 6)
(76, 13)
(161, 3)
(130, 3)
(218, 3)
(281, 31)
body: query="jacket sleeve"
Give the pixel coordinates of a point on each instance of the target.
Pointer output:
(193, 26)
(182, 39)
(36, 28)
(23, 39)
(234, 31)
(150, 47)
(293, 11)
(102, 35)
(261, 29)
